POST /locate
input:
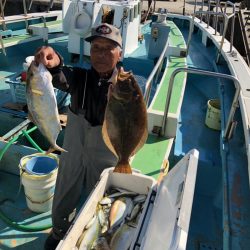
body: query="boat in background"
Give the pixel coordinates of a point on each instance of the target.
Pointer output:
(195, 85)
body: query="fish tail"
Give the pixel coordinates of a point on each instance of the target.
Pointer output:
(54, 148)
(123, 168)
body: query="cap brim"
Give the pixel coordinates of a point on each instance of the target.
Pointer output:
(91, 38)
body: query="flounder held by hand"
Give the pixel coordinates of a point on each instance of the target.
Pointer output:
(125, 124)
(42, 103)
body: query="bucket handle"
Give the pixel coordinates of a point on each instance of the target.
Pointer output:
(39, 202)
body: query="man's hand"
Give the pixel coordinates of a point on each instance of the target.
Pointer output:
(47, 56)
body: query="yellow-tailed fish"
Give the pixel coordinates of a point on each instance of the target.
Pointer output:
(89, 236)
(42, 105)
(119, 210)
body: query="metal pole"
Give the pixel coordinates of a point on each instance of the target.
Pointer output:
(208, 73)
(24, 8)
(31, 2)
(2, 6)
(50, 5)
(216, 17)
(191, 29)
(148, 85)
(184, 6)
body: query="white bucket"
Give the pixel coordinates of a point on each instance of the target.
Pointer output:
(213, 119)
(38, 175)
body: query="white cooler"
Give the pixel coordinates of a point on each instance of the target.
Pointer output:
(165, 218)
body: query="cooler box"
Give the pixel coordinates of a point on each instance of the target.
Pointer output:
(165, 218)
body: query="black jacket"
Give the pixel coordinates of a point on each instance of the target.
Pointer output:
(72, 80)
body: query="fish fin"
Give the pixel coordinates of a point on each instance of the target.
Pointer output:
(54, 148)
(106, 138)
(124, 168)
(142, 142)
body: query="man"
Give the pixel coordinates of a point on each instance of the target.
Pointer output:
(87, 155)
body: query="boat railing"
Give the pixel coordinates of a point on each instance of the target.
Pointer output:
(51, 3)
(233, 21)
(230, 124)
(25, 17)
(244, 17)
(154, 76)
(149, 10)
(2, 6)
(226, 20)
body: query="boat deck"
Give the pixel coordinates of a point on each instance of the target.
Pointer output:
(156, 147)
(188, 108)
(18, 212)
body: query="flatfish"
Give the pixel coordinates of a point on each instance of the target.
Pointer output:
(125, 123)
(42, 103)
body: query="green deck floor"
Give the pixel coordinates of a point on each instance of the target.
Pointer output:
(152, 155)
(179, 82)
(150, 158)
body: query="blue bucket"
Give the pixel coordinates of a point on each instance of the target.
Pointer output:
(40, 165)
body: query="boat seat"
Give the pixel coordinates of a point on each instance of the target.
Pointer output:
(157, 107)
(51, 26)
(176, 58)
(15, 39)
(19, 39)
(153, 148)
(177, 44)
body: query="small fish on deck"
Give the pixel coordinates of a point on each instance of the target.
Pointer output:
(125, 124)
(42, 104)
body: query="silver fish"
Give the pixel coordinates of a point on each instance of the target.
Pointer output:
(124, 193)
(106, 200)
(91, 222)
(42, 103)
(122, 238)
(134, 212)
(89, 236)
(119, 210)
(101, 244)
(140, 198)
(102, 218)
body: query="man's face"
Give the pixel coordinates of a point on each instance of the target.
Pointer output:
(104, 54)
